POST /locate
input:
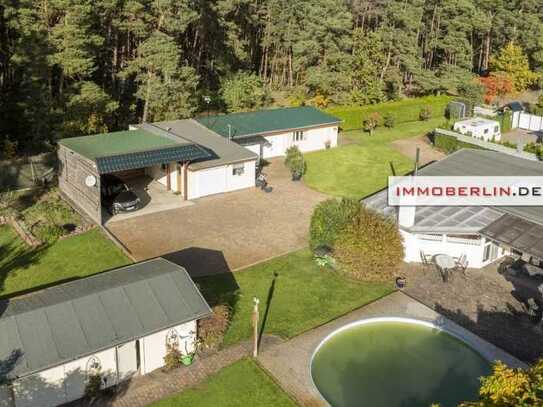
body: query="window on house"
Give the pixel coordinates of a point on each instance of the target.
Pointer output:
(238, 169)
(486, 131)
(486, 253)
(298, 135)
(496, 129)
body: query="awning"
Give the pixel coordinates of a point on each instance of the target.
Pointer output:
(130, 161)
(517, 233)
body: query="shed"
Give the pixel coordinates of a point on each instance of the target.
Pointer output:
(115, 324)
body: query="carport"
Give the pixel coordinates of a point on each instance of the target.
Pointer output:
(150, 160)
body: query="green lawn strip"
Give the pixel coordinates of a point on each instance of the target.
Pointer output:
(22, 268)
(406, 110)
(359, 169)
(304, 295)
(242, 384)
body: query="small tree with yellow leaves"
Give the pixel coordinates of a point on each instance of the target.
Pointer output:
(508, 387)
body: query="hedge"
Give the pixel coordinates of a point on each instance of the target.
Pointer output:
(449, 144)
(402, 111)
(371, 249)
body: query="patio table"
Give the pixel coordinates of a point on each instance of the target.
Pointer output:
(445, 263)
(533, 271)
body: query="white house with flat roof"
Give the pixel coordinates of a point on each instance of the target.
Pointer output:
(484, 129)
(481, 233)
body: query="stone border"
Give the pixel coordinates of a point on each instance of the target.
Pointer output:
(442, 324)
(289, 362)
(25, 235)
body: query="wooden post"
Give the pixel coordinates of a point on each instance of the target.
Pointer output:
(168, 180)
(256, 301)
(179, 172)
(185, 181)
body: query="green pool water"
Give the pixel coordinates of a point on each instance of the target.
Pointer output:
(393, 364)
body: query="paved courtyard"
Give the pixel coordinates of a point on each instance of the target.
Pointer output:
(483, 302)
(228, 231)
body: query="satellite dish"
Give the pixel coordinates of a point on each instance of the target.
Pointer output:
(90, 181)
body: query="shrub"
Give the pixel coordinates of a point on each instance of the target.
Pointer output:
(93, 386)
(372, 122)
(9, 149)
(389, 121)
(329, 218)
(425, 113)
(294, 160)
(319, 101)
(511, 387)
(370, 249)
(172, 359)
(47, 232)
(211, 330)
(449, 144)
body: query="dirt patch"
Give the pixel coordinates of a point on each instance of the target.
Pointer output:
(523, 136)
(408, 147)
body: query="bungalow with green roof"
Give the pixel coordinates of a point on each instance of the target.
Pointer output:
(192, 158)
(269, 133)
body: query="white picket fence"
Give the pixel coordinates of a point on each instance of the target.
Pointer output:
(526, 121)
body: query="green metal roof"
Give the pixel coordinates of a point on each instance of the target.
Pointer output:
(79, 318)
(123, 162)
(131, 149)
(116, 143)
(267, 121)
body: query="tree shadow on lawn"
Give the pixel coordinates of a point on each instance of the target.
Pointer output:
(14, 256)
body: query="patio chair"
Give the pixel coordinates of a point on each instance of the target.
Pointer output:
(425, 259)
(462, 264)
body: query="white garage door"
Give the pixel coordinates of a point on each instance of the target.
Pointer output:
(277, 146)
(255, 148)
(211, 181)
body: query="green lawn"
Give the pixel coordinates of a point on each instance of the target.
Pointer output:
(304, 296)
(242, 384)
(359, 169)
(406, 110)
(22, 268)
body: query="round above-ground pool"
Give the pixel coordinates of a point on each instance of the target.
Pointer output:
(396, 362)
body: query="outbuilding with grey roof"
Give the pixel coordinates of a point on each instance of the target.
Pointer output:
(481, 233)
(115, 324)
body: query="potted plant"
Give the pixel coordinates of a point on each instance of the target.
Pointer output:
(187, 359)
(294, 161)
